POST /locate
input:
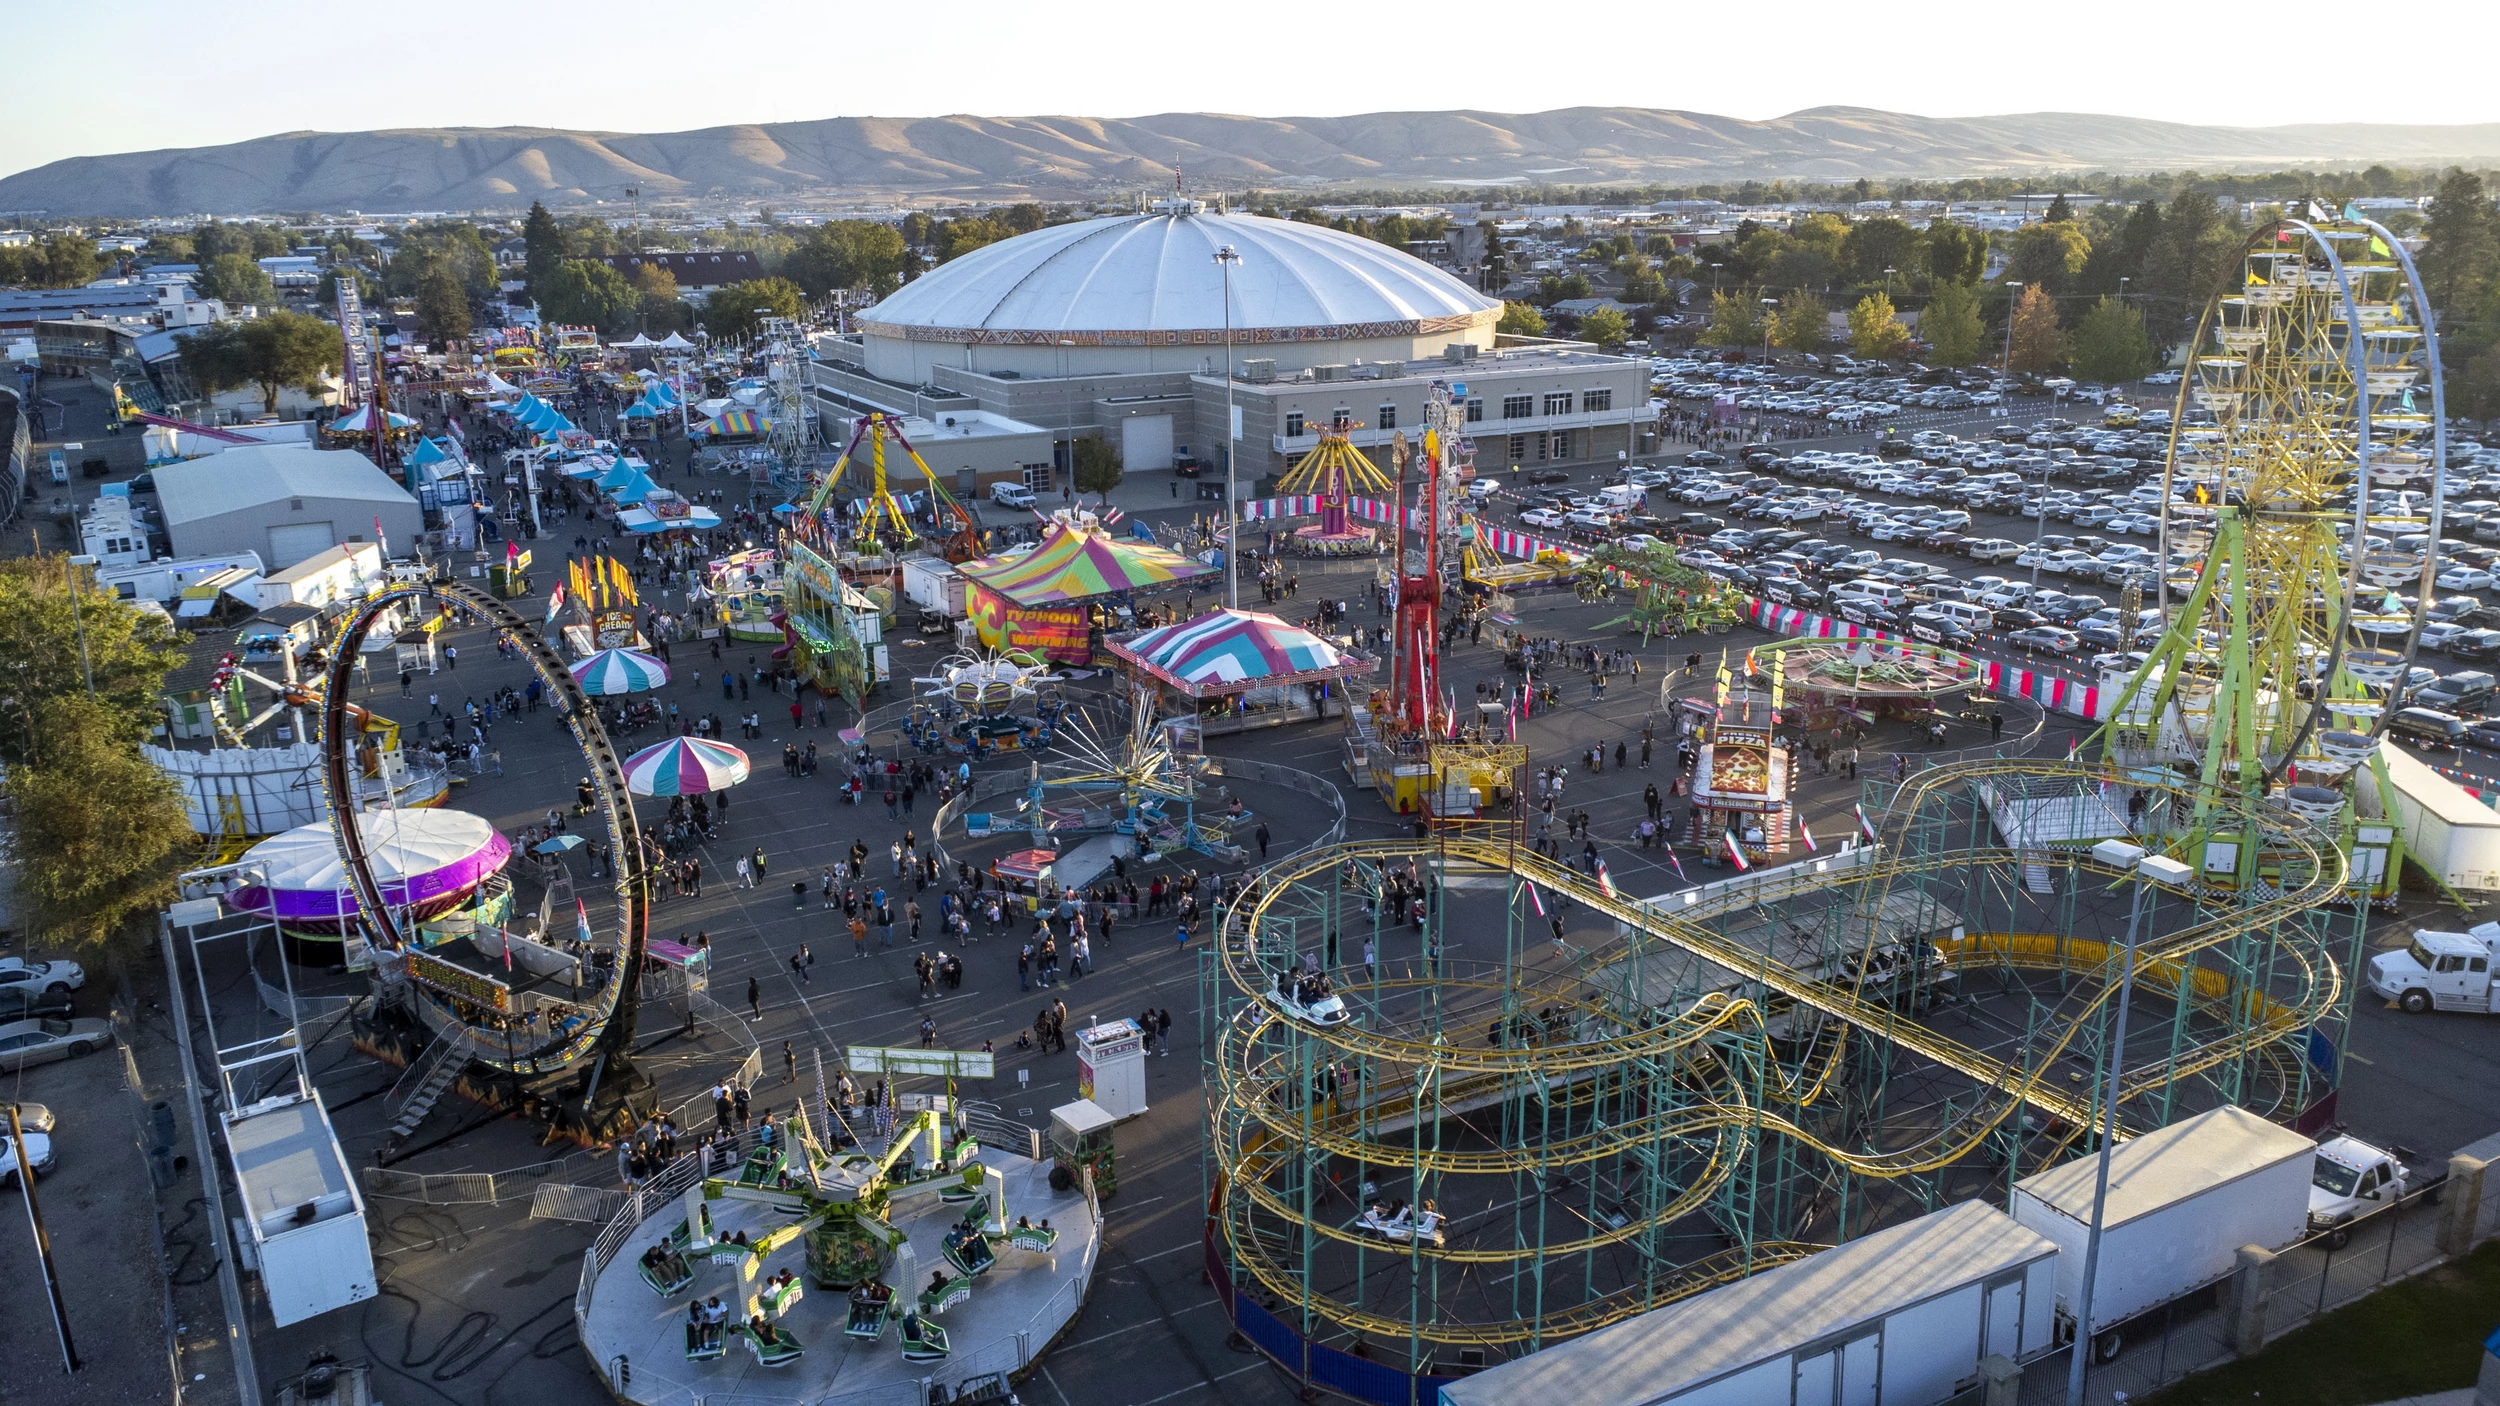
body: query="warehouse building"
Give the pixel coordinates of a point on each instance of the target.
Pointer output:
(286, 502)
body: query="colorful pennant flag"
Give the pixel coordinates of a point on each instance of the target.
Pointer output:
(1735, 851)
(555, 602)
(1866, 827)
(1605, 881)
(1534, 898)
(1807, 835)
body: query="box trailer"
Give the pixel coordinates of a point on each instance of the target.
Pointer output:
(301, 1208)
(2446, 830)
(1900, 1318)
(2182, 1201)
(934, 585)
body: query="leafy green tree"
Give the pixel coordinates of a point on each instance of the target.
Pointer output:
(169, 249)
(956, 238)
(738, 311)
(127, 652)
(2122, 254)
(1570, 285)
(215, 237)
(2109, 344)
(542, 243)
(1735, 320)
(1606, 327)
(580, 292)
(1875, 245)
(442, 305)
(1955, 254)
(2460, 260)
(1950, 325)
(2474, 388)
(1803, 323)
(846, 254)
(1875, 329)
(1097, 465)
(2037, 344)
(61, 260)
(237, 281)
(2048, 254)
(101, 832)
(2198, 252)
(271, 352)
(1521, 320)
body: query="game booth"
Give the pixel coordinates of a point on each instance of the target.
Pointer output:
(1740, 781)
(1051, 597)
(1238, 670)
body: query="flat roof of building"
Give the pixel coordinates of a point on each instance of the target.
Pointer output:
(249, 475)
(1672, 1349)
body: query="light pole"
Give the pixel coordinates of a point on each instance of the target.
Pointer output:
(2010, 299)
(2149, 869)
(1225, 258)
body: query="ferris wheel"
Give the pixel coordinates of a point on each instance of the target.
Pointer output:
(2300, 520)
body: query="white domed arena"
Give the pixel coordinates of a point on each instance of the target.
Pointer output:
(1117, 326)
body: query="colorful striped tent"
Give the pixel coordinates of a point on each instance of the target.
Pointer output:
(1229, 651)
(1073, 564)
(735, 422)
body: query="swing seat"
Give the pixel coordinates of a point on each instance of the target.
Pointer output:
(704, 1342)
(778, 1303)
(774, 1347)
(1037, 1238)
(674, 1269)
(923, 1341)
(944, 1296)
(969, 1252)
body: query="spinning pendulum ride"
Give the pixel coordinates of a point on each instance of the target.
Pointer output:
(1333, 472)
(2271, 683)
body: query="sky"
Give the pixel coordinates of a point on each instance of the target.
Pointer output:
(149, 75)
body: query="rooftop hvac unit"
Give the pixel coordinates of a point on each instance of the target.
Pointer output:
(1459, 353)
(1390, 370)
(1333, 371)
(1260, 371)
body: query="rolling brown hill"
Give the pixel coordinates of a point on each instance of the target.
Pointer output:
(976, 158)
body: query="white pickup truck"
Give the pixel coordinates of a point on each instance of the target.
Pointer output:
(2441, 971)
(2349, 1180)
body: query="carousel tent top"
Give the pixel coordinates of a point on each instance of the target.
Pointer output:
(417, 855)
(427, 452)
(735, 421)
(1074, 563)
(1226, 651)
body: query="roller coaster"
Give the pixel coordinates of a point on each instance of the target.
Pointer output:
(1496, 1153)
(591, 1040)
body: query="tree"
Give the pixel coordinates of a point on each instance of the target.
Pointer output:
(2461, 255)
(1606, 327)
(54, 261)
(442, 306)
(2198, 250)
(101, 833)
(237, 281)
(1951, 326)
(580, 292)
(2037, 344)
(2049, 254)
(846, 254)
(1955, 254)
(1568, 286)
(542, 242)
(1875, 329)
(1521, 320)
(127, 654)
(272, 352)
(1872, 246)
(1803, 323)
(1097, 466)
(1735, 320)
(738, 311)
(956, 238)
(2059, 211)
(2109, 344)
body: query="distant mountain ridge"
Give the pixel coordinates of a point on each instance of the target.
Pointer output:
(989, 158)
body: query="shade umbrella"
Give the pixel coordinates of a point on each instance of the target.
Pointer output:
(615, 671)
(684, 766)
(556, 844)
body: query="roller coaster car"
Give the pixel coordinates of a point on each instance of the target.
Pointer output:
(772, 1346)
(665, 1270)
(943, 1293)
(969, 1250)
(923, 1341)
(1404, 1224)
(872, 1301)
(1888, 972)
(1308, 999)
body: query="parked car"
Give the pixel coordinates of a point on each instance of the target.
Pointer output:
(1542, 517)
(1547, 476)
(40, 1041)
(2428, 725)
(1012, 495)
(2045, 639)
(26, 1002)
(41, 976)
(38, 1151)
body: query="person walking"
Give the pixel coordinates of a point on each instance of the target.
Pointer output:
(859, 936)
(798, 968)
(1163, 1032)
(789, 1063)
(755, 999)
(1261, 836)
(746, 873)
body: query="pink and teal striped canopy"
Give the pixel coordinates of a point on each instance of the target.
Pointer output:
(614, 671)
(684, 766)
(1225, 651)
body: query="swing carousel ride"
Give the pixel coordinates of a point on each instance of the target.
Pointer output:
(1333, 473)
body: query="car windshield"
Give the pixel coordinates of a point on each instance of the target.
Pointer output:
(2422, 955)
(2334, 1177)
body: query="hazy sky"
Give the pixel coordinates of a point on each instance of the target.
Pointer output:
(144, 74)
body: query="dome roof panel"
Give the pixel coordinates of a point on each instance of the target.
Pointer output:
(1156, 273)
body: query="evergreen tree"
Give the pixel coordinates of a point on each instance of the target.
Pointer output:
(2109, 344)
(1950, 325)
(542, 244)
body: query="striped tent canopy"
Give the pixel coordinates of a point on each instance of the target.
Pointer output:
(614, 671)
(685, 766)
(1227, 651)
(735, 422)
(1074, 563)
(360, 421)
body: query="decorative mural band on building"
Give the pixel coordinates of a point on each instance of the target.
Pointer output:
(1179, 336)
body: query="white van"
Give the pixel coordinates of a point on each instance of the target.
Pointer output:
(1623, 497)
(1967, 614)
(1888, 594)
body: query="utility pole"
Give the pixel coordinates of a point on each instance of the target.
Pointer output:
(43, 1244)
(1225, 258)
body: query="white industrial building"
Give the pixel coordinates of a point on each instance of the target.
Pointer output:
(1117, 327)
(287, 503)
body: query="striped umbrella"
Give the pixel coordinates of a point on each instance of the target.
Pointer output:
(614, 671)
(684, 766)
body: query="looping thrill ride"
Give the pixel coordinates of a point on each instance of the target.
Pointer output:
(2300, 418)
(590, 1040)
